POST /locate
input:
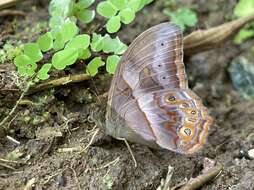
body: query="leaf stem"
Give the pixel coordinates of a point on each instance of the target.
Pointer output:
(2, 123)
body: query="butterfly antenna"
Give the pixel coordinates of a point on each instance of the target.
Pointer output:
(129, 148)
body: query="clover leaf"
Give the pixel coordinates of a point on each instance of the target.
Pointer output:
(26, 66)
(80, 41)
(127, 15)
(92, 67)
(106, 9)
(69, 30)
(119, 4)
(84, 54)
(83, 4)
(97, 42)
(43, 72)
(183, 17)
(113, 24)
(22, 60)
(111, 63)
(244, 8)
(107, 44)
(33, 51)
(45, 41)
(64, 58)
(86, 15)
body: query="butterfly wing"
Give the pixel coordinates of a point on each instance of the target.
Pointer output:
(152, 65)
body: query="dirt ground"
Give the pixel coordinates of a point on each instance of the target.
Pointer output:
(54, 128)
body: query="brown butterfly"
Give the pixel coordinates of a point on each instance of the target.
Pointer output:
(149, 99)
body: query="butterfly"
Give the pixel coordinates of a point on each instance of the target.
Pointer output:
(149, 100)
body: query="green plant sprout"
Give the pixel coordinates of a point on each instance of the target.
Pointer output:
(9, 52)
(119, 11)
(183, 16)
(242, 9)
(67, 45)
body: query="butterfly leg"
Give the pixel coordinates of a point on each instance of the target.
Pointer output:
(129, 148)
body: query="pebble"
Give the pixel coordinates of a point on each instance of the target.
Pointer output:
(250, 138)
(251, 153)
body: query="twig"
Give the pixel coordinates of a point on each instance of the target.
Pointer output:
(2, 123)
(9, 161)
(7, 166)
(91, 141)
(5, 13)
(8, 3)
(107, 165)
(203, 178)
(12, 140)
(59, 82)
(52, 176)
(165, 184)
(29, 184)
(203, 40)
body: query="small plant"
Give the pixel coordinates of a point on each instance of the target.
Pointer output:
(120, 11)
(183, 17)
(242, 9)
(8, 52)
(65, 43)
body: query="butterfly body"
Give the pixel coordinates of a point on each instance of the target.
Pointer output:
(149, 99)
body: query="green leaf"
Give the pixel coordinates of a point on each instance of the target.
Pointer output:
(28, 69)
(55, 24)
(86, 15)
(97, 42)
(109, 44)
(113, 45)
(127, 15)
(143, 3)
(80, 41)
(113, 24)
(69, 30)
(60, 8)
(183, 17)
(45, 41)
(106, 9)
(59, 41)
(134, 4)
(119, 4)
(33, 51)
(111, 63)
(43, 72)
(244, 8)
(92, 67)
(243, 35)
(83, 4)
(22, 60)
(121, 48)
(84, 54)
(64, 58)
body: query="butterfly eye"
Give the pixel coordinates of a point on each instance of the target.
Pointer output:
(193, 112)
(187, 131)
(170, 99)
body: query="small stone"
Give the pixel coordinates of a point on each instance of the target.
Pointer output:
(250, 138)
(251, 153)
